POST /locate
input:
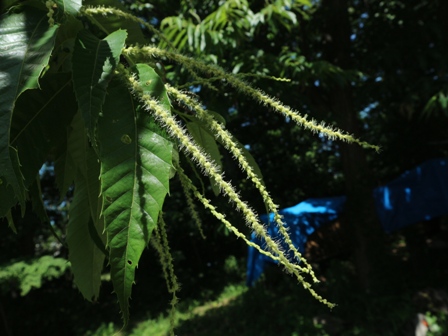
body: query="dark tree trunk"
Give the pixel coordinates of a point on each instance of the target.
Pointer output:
(360, 215)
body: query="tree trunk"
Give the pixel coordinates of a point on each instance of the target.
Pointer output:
(360, 214)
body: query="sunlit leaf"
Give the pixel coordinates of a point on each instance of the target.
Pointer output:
(71, 7)
(135, 169)
(205, 140)
(110, 23)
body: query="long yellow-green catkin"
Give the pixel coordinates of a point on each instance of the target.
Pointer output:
(233, 148)
(50, 6)
(203, 81)
(258, 95)
(160, 243)
(261, 76)
(295, 269)
(175, 285)
(201, 158)
(205, 163)
(102, 10)
(188, 184)
(157, 244)
(189, 146)
(199, 81)
(192, 209)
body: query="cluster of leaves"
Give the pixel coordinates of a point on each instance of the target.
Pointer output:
(24, 275)
(73, 89)
(231, 24)
(62, 120)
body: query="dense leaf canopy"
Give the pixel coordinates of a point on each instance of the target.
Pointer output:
(133, 101)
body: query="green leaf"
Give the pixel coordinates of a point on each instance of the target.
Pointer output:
(73, 156)
(35, 195)
(110, 23)
(7, 199)
(94, 61)
(39, 125)
(37, 201)
(92, 173)
(61, 57)
(443, 101)
(84, 232)
(71, 7)
(84, 255)
(136, 159)
(153, 85)
(26, 43)
(251, 161)
(11, 222)
(219, 118)
(205, 140)
(64, 173)
(29, 274)
(6, 4)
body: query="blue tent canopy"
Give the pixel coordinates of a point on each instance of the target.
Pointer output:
(418, 194)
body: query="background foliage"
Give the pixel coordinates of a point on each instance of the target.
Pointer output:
(397, 76)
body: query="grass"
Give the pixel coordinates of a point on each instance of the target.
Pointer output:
(277, 305)
(189, 311)
(215, 301)
(186, 311)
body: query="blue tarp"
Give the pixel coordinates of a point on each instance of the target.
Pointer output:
(418, 194)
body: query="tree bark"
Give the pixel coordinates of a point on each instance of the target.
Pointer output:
(360, 214)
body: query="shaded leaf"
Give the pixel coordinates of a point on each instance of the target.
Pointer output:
(11, 222)
(37, 201)
(7, 199)
(64, 173)
(35, 195)
(96, 226)
(94, 61)
(39, 124)
(250, 159)
(26, 43)
(61, 57)
(84, 232)
(73, 156)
